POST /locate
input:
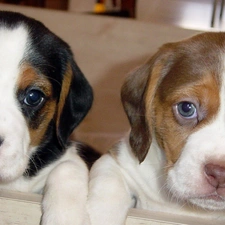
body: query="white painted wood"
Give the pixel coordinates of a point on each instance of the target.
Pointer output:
(18, 208)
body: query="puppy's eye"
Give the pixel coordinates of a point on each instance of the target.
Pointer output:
(187, 110)
(34, 98)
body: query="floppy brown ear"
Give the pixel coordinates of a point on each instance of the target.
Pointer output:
(133, 95)
(76, 98)
(138, 92)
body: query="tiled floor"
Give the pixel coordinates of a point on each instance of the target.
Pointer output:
(194, 14)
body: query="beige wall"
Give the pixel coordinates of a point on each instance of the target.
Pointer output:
(81, 6)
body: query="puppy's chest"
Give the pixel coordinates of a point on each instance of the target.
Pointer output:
(145, 180)
(148, 183)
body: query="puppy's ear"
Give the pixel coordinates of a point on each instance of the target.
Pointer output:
(133, 95)
(75, 100)
(138, 93)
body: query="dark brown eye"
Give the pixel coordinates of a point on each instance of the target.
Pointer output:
(34, 98)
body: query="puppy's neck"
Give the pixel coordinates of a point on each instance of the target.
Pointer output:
(153, 168)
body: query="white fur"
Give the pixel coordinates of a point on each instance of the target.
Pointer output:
(204, 146)
(66, 192)
(65, 177)
(119, 182)
(14, 150)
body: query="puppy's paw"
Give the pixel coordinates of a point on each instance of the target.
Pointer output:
(65, 195)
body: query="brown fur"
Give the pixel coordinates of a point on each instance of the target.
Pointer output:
(184, 71)
(64, 92)
(29, 77)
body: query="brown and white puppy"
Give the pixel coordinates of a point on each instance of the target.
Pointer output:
(44, 96)
(174, 158)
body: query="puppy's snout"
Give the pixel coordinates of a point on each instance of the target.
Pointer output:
(215, 175)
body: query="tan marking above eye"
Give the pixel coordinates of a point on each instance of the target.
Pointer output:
(29, 78)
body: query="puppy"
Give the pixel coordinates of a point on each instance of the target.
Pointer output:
(44, 96)
(173, 159)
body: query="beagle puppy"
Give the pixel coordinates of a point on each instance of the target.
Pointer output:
(44, 96)
(173, 159)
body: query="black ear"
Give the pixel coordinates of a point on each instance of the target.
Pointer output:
(76, 98)
(133, 99)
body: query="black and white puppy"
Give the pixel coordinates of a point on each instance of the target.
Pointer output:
(44, 96)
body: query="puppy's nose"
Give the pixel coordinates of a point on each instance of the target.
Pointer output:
(215, 175)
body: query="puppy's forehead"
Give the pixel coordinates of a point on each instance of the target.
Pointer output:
(198, 62)
(13, 44)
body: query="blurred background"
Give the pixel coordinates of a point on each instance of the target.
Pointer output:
(193, 14)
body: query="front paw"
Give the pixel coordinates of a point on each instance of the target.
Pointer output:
(65, 195)
(62, 218)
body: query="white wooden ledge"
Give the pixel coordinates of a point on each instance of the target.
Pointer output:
(24, 209)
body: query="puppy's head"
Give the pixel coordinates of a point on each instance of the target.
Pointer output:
(44, 96)
(178, 99)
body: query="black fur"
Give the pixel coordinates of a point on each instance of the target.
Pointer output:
(87, 153)
(50, 55)
(49, 151)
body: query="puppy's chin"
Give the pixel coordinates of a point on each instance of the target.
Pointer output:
(213, 202)
(194, 193)
(210, 202)
(14, 158)
(11, 169)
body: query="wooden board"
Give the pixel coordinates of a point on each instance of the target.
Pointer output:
(24, 209)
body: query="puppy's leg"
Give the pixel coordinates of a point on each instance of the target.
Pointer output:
(65, 195)
(109, 197)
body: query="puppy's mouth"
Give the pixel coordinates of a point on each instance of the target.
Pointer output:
(211, 202)
(214, 197)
